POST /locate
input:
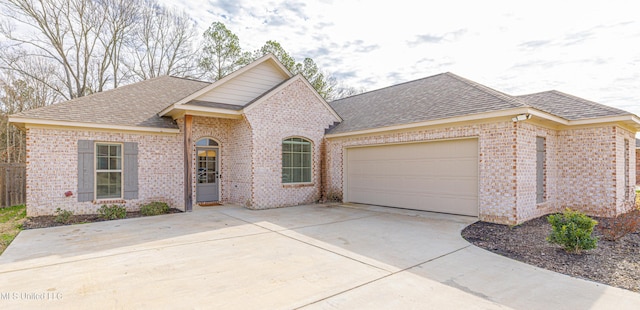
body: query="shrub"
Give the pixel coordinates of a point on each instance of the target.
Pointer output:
(154, 208)
(112, 212)
(63, 216)
(572, 230)
(615, 228)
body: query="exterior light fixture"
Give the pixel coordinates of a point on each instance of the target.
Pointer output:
(521, 117)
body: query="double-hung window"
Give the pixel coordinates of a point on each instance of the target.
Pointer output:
(108, 171)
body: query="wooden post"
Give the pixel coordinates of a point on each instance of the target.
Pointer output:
(188, 146)
(7, 179)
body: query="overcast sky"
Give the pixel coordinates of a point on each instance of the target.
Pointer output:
(590, 49)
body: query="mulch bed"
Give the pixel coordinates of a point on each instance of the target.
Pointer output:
(613, 263)
(49, 220)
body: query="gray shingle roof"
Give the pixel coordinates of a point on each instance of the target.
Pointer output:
(136, 104)
(437, 97)
(569, 107)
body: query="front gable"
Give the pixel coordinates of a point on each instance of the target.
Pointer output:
(227, 96)
(246, 86)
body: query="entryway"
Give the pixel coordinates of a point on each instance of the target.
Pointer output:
(207, 173)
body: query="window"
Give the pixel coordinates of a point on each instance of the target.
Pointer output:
(108, 171)
(206, 142)
(296, 161)
(541, 169)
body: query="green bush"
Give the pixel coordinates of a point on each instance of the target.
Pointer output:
(112, 212)
(154, 208)
(63, 216)
(572, 230)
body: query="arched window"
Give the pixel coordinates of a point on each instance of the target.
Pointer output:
(206, 142)
(296, 161)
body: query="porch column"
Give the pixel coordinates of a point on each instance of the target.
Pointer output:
(188, 143)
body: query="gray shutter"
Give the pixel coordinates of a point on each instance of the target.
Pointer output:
(85, 170)
(130, 170)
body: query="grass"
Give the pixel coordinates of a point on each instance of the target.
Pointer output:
(11, 219)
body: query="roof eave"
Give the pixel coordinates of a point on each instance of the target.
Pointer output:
(629, 120)
(186, 109)
(24, 123)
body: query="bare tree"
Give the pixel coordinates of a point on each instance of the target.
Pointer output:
(162, 44)
(121, 16)
(17, 95)
(65, 32)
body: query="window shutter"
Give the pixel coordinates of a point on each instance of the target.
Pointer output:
(130, 170)
(85, 170)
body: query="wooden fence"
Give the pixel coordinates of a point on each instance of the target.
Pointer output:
(13, 184)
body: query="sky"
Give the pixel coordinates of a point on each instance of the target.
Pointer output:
(590, 49)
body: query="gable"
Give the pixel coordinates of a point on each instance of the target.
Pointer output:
(246, 86)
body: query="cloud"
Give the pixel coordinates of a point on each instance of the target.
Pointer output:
(359, 46)
(545, 64)
(296, 7)
(320, 51)
(577, 37)
(396, 77)
(434, 39)
(427, 38)
(370, 82)
(232, 7)
(345, 75)
(535, 44)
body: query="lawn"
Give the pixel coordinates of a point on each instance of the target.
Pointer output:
(11, 219)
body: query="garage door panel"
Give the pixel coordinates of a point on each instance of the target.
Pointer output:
(436, 176)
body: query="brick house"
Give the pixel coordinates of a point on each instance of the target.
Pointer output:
(263, 138)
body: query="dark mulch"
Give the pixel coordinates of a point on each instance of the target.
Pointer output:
(613, 263)
(49, 220)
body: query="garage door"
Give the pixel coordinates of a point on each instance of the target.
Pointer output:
(433, 176)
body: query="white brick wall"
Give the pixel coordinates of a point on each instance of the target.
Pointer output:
(52, 169)
(584, 167)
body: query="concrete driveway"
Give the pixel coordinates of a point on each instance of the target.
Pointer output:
(312, 257)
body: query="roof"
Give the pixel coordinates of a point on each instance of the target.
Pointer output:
(136, 104)
(569, 107)
(447, 95)
(436, 97)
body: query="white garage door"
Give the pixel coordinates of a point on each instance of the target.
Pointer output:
(433, 176)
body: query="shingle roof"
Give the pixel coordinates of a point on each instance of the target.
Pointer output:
(569, 107)
(437, 97)
(136, 104)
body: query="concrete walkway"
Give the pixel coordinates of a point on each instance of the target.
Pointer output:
(312, 257)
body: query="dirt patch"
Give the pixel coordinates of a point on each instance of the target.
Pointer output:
(49, 220)
(613, 263)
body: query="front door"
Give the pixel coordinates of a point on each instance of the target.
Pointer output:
(207, 175)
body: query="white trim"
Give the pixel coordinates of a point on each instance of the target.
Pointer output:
(218, 150)
(24, 121)
(95, 171)
(311, 157)
(187, 109)
(287, 83)
(228, 78)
